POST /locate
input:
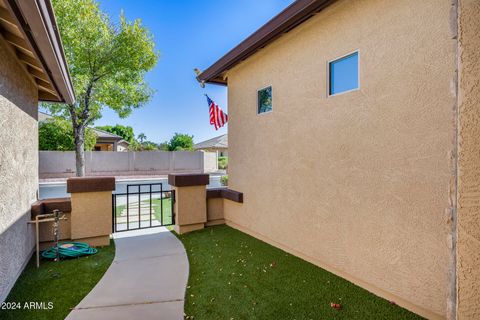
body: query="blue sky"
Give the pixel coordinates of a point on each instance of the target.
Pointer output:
(188, 34)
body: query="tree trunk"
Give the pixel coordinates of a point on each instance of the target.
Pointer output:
(79, 132)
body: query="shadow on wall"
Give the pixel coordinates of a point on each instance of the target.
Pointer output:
(17, 244)
(11, 81)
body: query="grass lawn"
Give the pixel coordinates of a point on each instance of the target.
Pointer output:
(167, 210)
(156, 206)
(64, 283)
(235, 276)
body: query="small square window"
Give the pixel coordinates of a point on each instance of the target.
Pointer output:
(264, 100)
(343, 74)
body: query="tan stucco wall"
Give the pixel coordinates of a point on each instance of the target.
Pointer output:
(46, 229)
(215, 211)
(91, 217)
(468, 214)
(360, 183)
(18, 167)
(190, 208)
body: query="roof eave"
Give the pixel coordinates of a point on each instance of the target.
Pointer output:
(36, 20)
(292, 16)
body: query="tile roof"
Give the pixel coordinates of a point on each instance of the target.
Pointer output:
(217, 142)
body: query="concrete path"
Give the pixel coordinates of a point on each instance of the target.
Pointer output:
(147, 280)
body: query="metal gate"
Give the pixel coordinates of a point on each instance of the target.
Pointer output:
(143, 206)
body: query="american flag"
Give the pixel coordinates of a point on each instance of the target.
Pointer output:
(217, 117)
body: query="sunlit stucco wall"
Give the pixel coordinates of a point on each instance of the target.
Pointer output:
(468, 245)
(361, 183)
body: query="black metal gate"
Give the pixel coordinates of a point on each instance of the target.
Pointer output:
(143, 206)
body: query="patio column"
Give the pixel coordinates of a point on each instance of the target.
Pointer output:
(91, 217)
(190, 201)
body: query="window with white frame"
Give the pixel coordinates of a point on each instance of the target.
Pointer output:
(343, 74)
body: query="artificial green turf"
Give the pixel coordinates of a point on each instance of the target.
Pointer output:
(236, 276)
(156, 202)
(64, 283)
(167, 210)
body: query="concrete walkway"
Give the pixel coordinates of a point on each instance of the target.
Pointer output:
(147, 280)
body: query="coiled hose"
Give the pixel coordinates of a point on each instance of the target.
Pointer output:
(69, 250)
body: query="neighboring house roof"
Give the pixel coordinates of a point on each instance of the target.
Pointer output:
(30, 28)
(292, 16)
(101, 134)
(217, 142)
(106, 135)
(125, 143)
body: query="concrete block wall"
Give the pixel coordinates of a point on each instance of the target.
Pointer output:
(58, 164)
(210, 161)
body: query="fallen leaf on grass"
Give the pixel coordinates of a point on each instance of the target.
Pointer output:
(337, 306)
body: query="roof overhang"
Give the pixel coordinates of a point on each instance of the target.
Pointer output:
(292, 16)
(123, 142)
(29, 27)
(107, 139)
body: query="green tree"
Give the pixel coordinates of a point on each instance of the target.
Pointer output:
(57, 135)
(145, 146)
(126, 132)
(179, 142)
(107, 64)
(141, 137)
(149, 146)
(163, 146)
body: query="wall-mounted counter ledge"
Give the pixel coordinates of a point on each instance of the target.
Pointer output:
(48, 205)
(225, 193)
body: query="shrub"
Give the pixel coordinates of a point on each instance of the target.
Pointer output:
(224, 180)
(222, 162)
(56, 134)
(179, 142)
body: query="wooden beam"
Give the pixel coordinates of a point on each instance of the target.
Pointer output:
(6, 17)
(47, 96)
(44, 85)
(48, 89)
(32, 62)
(37, 74)
(17, 41)
(41, 88)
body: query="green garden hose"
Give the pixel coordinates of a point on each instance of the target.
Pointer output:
(69, 250)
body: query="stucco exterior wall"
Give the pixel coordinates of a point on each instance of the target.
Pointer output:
(18, 167)
(359, 183)
(91, 217)
(215, 211)
(190, 208)
(468, 212)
